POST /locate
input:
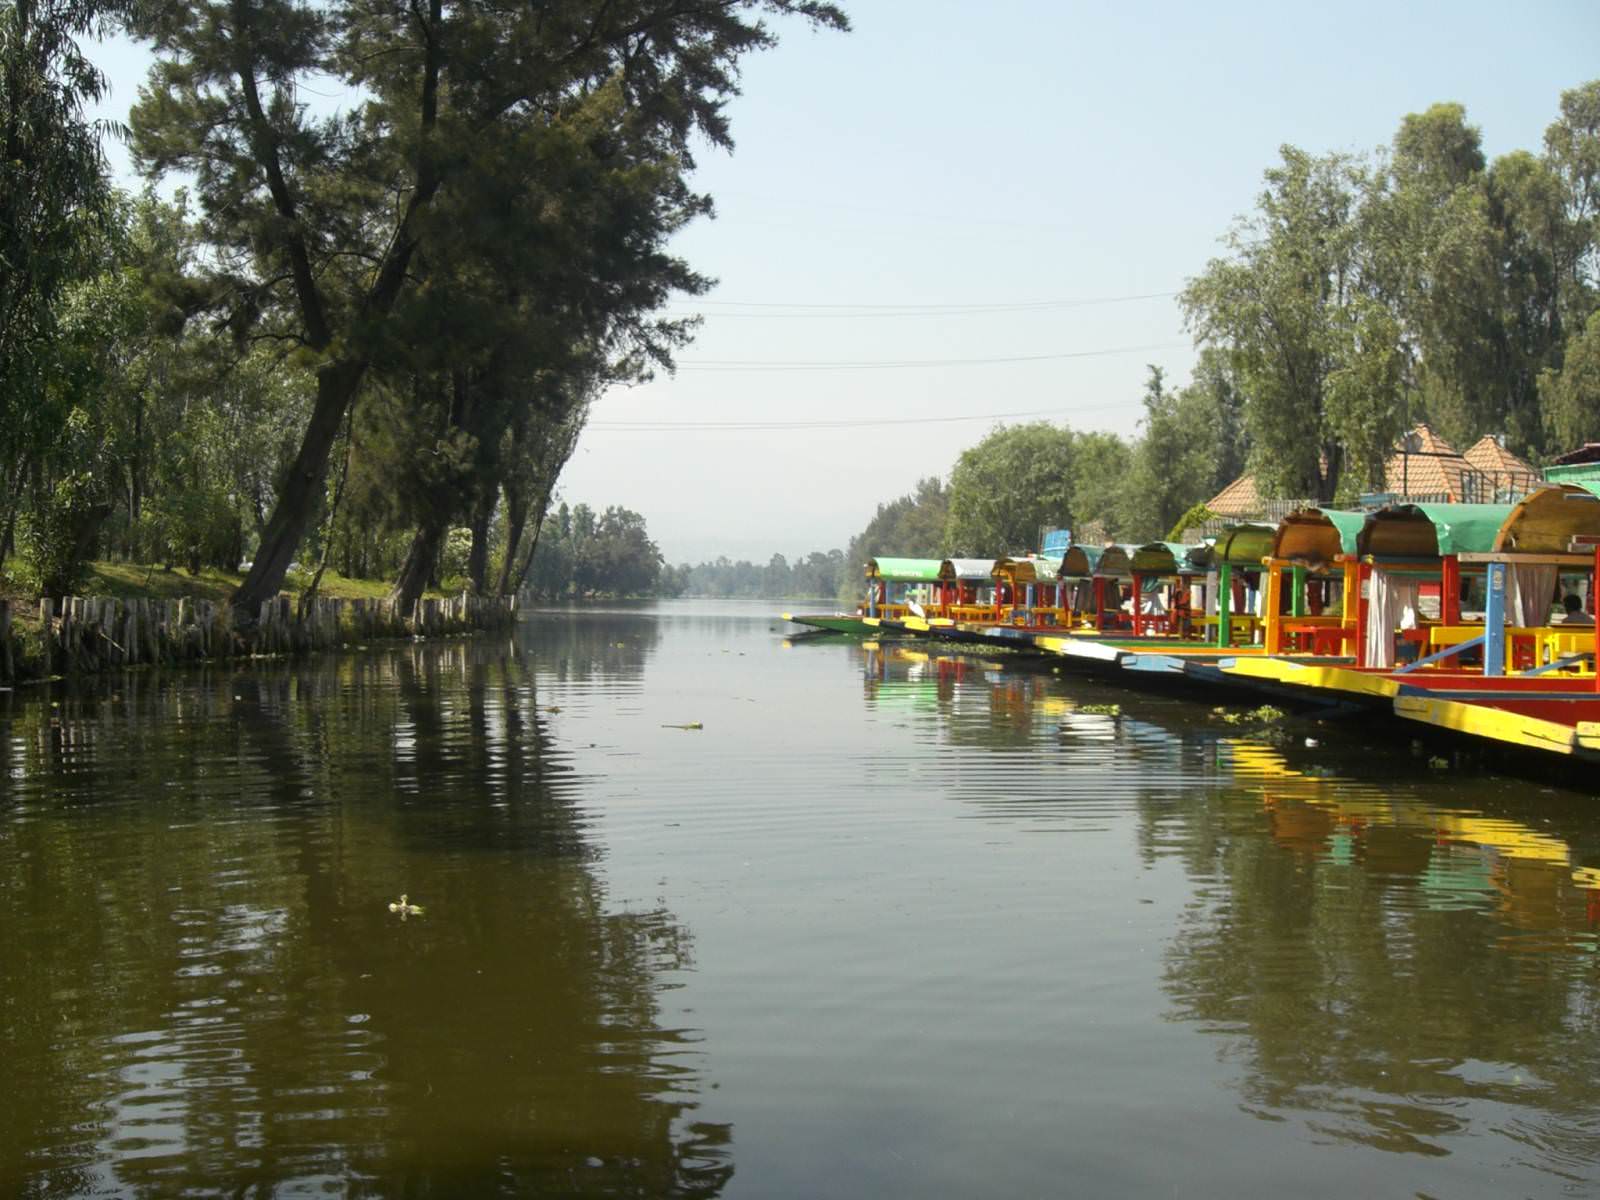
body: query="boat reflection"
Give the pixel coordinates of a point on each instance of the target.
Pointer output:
(1386, 953)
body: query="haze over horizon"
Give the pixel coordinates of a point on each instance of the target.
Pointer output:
(945, 216)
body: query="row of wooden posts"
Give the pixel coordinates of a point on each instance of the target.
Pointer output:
(80, 634)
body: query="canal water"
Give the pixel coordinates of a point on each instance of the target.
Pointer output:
(711, 911)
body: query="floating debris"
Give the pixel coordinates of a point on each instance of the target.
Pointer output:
(1101, 710)
(687, 725)
(404, 907)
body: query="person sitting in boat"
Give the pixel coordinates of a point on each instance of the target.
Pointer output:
(1575, 614)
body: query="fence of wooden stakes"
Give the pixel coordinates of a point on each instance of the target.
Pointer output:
(82, 634)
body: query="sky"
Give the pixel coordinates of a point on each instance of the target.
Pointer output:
(962, 213)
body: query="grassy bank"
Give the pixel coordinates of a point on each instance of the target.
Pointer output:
(135, 581)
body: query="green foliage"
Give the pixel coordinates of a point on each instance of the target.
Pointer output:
(1009, 487)
(582, 554)
(911, 526)
(1570, 397)
(1195, 516)
(54, 534)
(53, 202)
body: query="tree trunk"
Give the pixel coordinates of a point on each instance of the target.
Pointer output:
(478, 557)
(516, 520)
(538, 527)
(302, 490)
(419, 563)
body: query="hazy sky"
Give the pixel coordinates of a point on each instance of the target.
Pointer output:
(953, 184)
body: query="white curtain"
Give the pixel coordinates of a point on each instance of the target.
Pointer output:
(1388, 601)
(1530, 592)
(1211, 593)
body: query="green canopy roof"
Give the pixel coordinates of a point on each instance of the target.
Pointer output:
(1245, 545)
(1314, 536)
(904, 570)
(1432, 530)
(968, 570)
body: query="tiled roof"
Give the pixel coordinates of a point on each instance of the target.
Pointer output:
(1426, 465)
(1587, 453)
(1238, 499)
(1493, 459)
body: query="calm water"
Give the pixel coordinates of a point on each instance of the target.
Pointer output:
(894, 923)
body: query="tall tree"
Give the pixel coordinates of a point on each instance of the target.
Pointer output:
(1008, 488)
(1292, 306)
(54, 201)
(316, 221)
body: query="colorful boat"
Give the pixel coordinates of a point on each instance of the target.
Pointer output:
(895, 587)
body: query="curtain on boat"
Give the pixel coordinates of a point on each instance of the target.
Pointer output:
(1211, 593)
(1391, 605)
(1530, 592)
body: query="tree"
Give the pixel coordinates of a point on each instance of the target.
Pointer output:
(1288, 307)
(1570, 397)
(316, 222)
(1172, 463)
(1010, 486)
(54, 203)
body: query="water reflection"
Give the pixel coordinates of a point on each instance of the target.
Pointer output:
(1386, 955)
(204, 989)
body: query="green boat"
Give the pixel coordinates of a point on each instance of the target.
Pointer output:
(890, 593)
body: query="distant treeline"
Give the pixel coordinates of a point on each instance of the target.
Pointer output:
(817, 574)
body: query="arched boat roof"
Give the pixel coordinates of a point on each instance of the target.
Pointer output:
(1027, 570)
(1314, 537)
(1080, 562)
(1244, 544)
(903, 570)
(967, 570)
(1170, 558)
(1432, 530)
(1546, 521)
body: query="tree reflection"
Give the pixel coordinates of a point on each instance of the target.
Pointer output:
(205, 990)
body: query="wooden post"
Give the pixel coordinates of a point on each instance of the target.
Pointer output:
(1224, 604)
(1271, 603)
(1450, 590)
(1494, 621)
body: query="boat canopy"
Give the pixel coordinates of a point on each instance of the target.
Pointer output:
(903, 570)
(1432, 530)
(1170, 558)
(1027, 570)
(1313, 537)
(1116, 561)
(1546, 521)
(1080, 562)
(1244, 545)
(967, 570)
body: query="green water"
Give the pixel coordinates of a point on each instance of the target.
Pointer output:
(893, 923)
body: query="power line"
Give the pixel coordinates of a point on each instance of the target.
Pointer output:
(786, 426)
(716, 365)
(798, 311)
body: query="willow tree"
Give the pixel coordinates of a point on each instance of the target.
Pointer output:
(54, 202)
(316, 220)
